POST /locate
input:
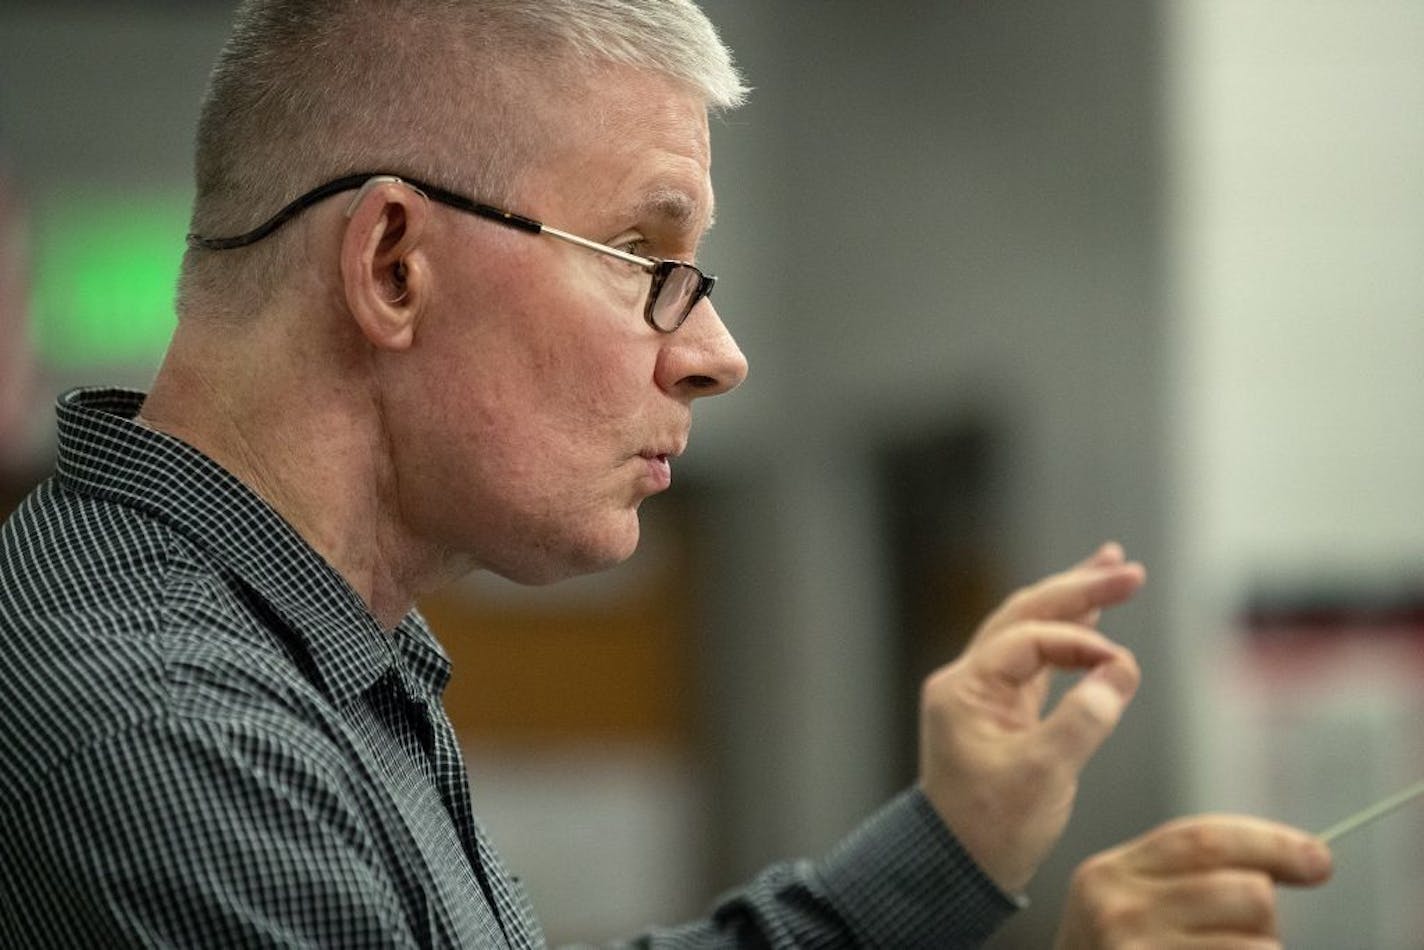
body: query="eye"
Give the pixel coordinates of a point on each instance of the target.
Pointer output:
(633, 245)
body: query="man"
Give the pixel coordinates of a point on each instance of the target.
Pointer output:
(224, 723)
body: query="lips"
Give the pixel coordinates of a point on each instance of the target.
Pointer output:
(666, 450)
(659, 464)
(666, 455)
(660, 470)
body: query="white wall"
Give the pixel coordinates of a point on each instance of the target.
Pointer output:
(1297, 270)
(1298, 227)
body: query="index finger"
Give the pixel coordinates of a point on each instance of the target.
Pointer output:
(1211, 842)
(1072, 594)
(1108, 553)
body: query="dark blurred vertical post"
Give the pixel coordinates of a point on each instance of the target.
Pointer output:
(16, 354)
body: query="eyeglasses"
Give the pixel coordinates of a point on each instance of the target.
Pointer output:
(676, 288)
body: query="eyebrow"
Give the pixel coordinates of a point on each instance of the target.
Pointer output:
(675, 205)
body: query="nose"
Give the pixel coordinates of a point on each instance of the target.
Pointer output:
(701, 358)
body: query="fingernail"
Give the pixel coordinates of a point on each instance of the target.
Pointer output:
(1318, 858)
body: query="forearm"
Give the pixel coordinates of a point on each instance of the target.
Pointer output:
(899, 880)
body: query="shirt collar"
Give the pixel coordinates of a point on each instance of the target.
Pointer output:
(425, 659)
(105, 453)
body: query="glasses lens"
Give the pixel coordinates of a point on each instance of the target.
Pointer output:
(676, 297)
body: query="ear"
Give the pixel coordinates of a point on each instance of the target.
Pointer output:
(384, 270)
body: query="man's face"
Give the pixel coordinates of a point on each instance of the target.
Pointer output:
(540, 409)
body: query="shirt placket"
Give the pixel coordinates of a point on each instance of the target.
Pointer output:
(447, 768)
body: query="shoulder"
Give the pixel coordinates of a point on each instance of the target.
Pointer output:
(66, 552)
(109, 619)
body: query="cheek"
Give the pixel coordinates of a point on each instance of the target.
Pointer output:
(525, 457)
(550, 418)
(575, 390)
(614, 391)
(542, 383)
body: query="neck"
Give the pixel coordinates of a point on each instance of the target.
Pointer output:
(302, 427)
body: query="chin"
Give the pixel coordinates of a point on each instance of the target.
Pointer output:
(602, 557)
(584, 555)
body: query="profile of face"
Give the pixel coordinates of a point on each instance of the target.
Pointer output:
(536, 408)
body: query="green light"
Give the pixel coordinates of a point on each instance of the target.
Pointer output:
(106, 268)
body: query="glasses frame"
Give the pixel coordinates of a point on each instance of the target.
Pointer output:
(659, 268)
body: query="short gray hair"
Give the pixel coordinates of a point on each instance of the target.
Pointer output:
(309, 90)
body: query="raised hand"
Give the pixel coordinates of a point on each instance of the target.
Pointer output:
(1000, 771)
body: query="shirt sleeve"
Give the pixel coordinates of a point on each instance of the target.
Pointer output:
(901, 880)
(151, 838)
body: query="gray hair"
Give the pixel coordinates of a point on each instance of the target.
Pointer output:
(309, 90)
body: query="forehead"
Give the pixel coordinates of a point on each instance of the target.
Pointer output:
(624, 143)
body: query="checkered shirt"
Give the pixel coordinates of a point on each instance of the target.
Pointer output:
(207, 741)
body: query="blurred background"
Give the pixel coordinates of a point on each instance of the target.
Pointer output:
(1014, 278)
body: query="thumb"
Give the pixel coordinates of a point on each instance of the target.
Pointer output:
(1091, 709)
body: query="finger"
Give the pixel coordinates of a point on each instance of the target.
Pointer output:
(1222, 901)
(1091, 709)
(1208, 842)
(1071, 595)
(1108, 554)
(1030, 649)
(1112, 903)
